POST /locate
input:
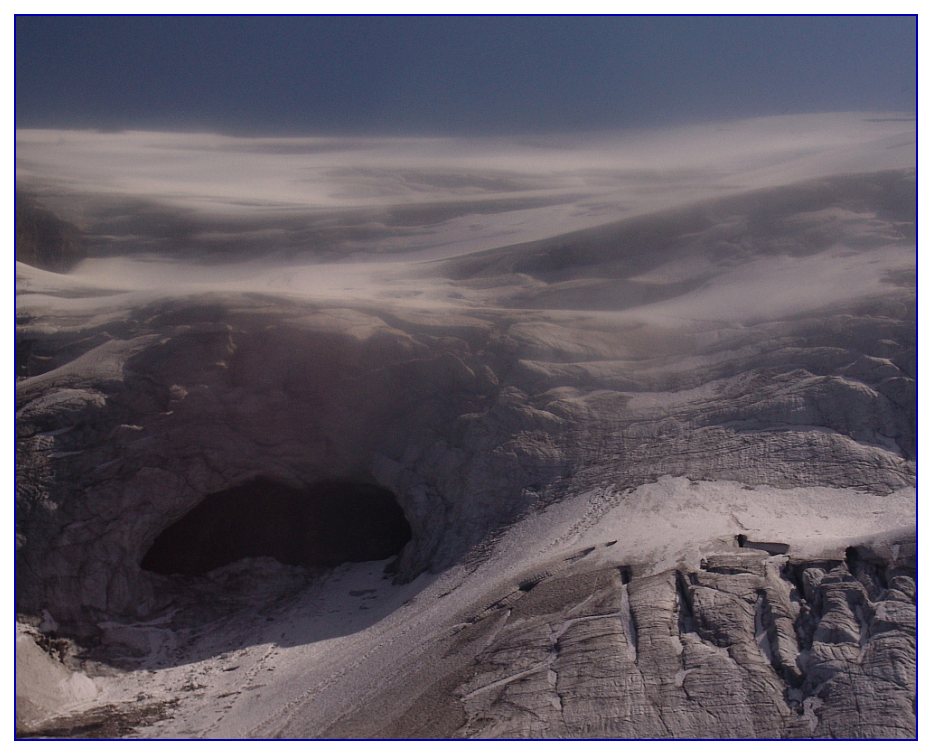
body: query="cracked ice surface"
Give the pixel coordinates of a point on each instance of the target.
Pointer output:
(664, 340)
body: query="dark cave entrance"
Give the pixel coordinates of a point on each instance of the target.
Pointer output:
(323, 525)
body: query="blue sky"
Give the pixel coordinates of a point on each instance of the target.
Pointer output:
(452, 75)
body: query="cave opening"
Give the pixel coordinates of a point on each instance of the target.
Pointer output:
(325, 524)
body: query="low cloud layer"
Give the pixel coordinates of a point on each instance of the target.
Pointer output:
(333, 198)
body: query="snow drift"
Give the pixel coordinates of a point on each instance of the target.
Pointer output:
(488, 331)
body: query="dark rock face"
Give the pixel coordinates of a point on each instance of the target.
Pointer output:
(324, 525)
(45, 240)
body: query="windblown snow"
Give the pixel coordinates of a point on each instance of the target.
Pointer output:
(646, 401)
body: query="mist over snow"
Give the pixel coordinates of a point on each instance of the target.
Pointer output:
(148, 202)
(636, 407)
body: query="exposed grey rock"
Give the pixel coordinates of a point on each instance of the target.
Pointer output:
(43, 239)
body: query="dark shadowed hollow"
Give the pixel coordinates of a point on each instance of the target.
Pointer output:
(323, 525)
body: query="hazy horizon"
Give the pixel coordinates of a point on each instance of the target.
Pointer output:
(533, 377)
(456, 76)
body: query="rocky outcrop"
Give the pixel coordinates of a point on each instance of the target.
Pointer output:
(43, 239)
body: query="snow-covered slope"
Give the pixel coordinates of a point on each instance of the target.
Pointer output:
(664, 340)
